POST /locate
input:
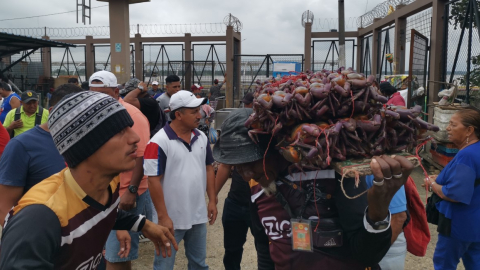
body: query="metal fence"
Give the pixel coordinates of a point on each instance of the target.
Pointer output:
(69, 61)
(209, 53)
(26, 75)
(386, 44)
(155, 61)
(196, 71)
(366, 57)
(260, 67)
(325, 54)
(102, 56)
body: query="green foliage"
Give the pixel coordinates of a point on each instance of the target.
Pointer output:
(458, 12)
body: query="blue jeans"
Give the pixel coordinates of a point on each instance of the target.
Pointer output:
(112, 247)
(195, 249)
(395, 257)
(449, 251)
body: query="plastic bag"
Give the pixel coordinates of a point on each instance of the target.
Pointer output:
(212, 135)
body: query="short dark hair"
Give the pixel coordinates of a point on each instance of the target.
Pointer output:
(387, 89)
(73, 80)
(215, 81)
(85, 86)
(62, 91)
(172, 78)
(172, 113)
(5, 86)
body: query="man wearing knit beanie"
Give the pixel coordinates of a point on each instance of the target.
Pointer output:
(64, 221)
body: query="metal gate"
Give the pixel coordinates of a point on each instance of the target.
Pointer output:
(260, 67)
(366, 57)
(26, 73)
(209, 53)
(156, 58)
(417, 69)
(69, 61)
(325, 54)
(191, 71)
(385, 47)
(101, 54)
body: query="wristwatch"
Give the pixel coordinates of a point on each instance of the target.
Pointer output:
(132, 189)
(379, 225)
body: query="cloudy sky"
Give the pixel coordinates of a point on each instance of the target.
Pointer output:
(268, 26)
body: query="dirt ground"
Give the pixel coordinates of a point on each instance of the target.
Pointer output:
(215, 243)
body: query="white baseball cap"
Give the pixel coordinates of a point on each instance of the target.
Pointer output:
(106, 77)
(185, 99)
(155, 83)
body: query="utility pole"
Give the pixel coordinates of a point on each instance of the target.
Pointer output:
(341, 33)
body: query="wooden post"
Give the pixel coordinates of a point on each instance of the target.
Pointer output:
(230, 59)
(308, 47)
(47, 60)
(138, 56)
(89, 56)
(400, 43)
(188, 58)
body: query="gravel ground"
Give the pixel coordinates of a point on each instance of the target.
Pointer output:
(215, 243)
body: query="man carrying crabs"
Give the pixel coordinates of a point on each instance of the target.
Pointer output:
(310, 222)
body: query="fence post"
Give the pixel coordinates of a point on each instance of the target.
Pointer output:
(359, 58)
(436, 44)
(308, 47)
(138, 56)
(375, 51)
(188, 58)
(47, 60)
(400, 43)
(229, 58)
(89, 56)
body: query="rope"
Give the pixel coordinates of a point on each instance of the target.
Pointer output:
(421, 165)
(264, 155)
(357, 180)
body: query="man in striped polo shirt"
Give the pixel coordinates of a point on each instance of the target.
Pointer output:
(64, 221)
(178, 162)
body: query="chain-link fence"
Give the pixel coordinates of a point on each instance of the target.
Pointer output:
(155, 61)
(69, 61)
(366, 57)
(28, 73)
(325, 54)
(456, 57)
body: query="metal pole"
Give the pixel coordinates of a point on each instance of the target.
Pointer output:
(341, 34)
(469, 50)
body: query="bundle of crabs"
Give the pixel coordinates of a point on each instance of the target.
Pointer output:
(320, 117)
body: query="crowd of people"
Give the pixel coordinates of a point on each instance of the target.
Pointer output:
(107, 166)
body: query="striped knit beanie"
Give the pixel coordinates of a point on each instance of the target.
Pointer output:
(82, 122)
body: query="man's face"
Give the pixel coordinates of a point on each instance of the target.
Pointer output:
(173, 88)
(30, 107)
(3, 93)
(118, 154)
(154, 87)
(274, 164)
(111, 91)
(189, 117)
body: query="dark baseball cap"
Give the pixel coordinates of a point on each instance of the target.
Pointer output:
(248, 98)
(29, 96)
(234, 146)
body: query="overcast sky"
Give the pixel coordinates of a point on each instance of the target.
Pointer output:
(268, 26)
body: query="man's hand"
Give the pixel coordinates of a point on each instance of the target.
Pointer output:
(125, 243)
(166, 222)
(16, 124)
(127, 201)
(394, 172)
(161, 237)
(212, 211)
(143, 85)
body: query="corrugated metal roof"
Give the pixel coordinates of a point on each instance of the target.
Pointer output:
(12, 44)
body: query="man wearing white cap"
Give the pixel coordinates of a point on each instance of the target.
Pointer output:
(178, 162)
(155, 91)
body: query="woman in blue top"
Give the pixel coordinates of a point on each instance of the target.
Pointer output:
(10, 100)
(457, 185)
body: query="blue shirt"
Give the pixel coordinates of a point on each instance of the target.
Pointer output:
(458, 180)
(30, 158)
(398, 203)
(6, 107)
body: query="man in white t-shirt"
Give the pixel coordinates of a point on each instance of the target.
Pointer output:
(178, 162)
(173, 86)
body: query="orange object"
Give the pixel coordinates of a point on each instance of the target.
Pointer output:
(439, 158)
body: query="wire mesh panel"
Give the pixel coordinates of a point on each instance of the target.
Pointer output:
(155, 61)
(325, 54)
(215, 53)
(193, 69)
(26, 74)
(421, 22)
(69, 61)
(417, 70)
(386, 40)
(456, 57)
(366, 57)
(261, 67)
(103, 59)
